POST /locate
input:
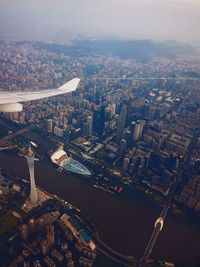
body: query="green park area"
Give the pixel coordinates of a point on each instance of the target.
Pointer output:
(10, 219)
(7, 221)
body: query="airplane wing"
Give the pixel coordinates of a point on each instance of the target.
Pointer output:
(10, 101)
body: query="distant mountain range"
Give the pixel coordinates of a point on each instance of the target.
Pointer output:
(140, 50)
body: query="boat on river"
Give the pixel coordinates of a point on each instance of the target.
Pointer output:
(60, 158)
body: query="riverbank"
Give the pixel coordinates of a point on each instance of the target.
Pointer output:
(124, 221)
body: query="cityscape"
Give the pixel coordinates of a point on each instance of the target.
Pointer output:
(107, 174)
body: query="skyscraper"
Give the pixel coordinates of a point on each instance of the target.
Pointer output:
(31, 225)
(44, 246)
(95, 122)
(30, 159)
(122, 146)
(89, 121)
(122, 120)
(125, 164)
(50, 234)
(49, 126)
(138, 130)
(85, 128)
(101, 119)
(58, 131)
(110, 111)
(24, 231)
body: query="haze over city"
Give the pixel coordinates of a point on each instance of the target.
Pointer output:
(132, 19)
(99, 133)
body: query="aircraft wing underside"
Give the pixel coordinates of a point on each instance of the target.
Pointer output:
(11, 100)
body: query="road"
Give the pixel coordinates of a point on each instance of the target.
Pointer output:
(10, 136)
(105, 249)
(23, 130)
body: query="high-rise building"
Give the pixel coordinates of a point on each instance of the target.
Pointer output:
(125, 164)
(128, 137)
(44, 246)
(107, 114)
(40, 224)
(142, 127)
(141, 167)
(12, 115)
(131, 168)
(50, 234)
(132, 127)
(70, 263)
(89, 121)
(49, 126)
(33, 193)
(85, 128)
(122, 146)
(110, 111)
(122, 120)
(24, 231)
(138, 130)
(95, 121)
(101, 120)
(136, 133)
(58, 131)
(31, 225)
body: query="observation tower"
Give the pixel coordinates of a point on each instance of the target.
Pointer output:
(30, 159)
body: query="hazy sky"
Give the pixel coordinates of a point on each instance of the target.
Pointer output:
(133, 19)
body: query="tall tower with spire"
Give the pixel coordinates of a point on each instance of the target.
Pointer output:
(30, 159)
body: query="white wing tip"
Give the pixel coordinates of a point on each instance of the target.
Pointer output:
(70, 86)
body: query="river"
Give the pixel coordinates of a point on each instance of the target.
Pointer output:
(125, 222)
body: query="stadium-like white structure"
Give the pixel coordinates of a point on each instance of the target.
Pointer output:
(60, 158)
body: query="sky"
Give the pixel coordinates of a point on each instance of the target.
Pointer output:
(133, 19)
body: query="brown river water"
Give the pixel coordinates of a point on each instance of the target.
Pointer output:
(125, 222)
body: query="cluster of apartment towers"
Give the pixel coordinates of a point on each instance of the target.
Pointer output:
(30, 157)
